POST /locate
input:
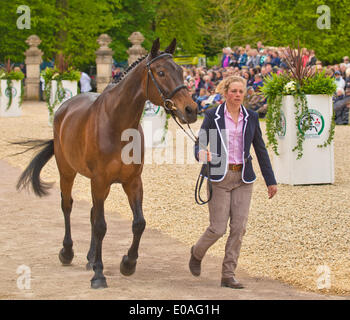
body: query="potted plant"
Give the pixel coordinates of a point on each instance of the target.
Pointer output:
(61, 84)
(300, 122)
(11, 90)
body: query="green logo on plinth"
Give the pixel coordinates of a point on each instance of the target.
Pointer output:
(283, 125)
(7, 92)
(317, 124)
(68, 94)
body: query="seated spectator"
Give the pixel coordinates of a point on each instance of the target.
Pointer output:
(258, 82)
(203, 95)
(198, 81)
(342, 112)
(312, 58)
(339, 81)
(208, 85)
(212, 101)
(254, 58)
(275, 61)
(254, 100)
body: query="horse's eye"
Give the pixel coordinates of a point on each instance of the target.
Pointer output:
(161, 73)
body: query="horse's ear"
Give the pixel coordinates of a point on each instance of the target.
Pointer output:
(155, 48)
(172, 47)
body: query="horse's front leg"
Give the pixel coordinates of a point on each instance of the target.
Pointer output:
(134, 191)
(99, 192)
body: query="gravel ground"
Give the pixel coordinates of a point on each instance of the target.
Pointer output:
(288, 238)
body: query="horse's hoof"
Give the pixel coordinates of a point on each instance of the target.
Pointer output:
(99, 283)
(66, 257)
(89, 266)
(127, 268)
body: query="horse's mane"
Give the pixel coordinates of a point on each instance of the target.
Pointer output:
(113, 83)
(123, 75)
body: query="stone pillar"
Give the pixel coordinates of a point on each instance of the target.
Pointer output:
(136, 51)
(103, 62)
(33, 61)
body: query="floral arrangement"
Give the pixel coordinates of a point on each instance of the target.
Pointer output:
(60, 72)
(298, 82)
(9, 73)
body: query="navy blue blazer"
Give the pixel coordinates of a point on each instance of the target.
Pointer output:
(213, 132)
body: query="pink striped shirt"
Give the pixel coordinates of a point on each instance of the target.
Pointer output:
(235, 137)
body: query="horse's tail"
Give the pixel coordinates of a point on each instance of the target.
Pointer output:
(31, 175)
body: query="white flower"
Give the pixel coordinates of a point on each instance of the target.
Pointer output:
(290, 87)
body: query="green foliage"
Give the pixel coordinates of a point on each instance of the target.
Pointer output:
(277, 86)
(12, 75)
(319, 84)
(50, 74)
(200, 26)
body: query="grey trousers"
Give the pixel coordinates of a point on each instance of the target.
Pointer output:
(230, 203)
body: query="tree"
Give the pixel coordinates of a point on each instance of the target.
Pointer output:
(63, 26)
(229, 23)
(180, 19)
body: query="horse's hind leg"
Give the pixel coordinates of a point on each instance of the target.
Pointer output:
(134, 192)
(66, 183)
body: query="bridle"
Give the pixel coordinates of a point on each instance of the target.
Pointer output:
(169, 105)
(170, 108)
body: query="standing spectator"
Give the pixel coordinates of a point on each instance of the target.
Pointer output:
(225, 62)
(342, 69)
(242, 60)
(305, 57)
(116, 73)
(85, 82)
(346, 61)
(312, 58)
(347, 79)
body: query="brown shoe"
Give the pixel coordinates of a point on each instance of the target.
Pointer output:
(194, 264)
(231, 283)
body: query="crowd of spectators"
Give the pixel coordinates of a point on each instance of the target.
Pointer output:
(254, 64)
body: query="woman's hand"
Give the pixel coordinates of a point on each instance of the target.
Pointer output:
(204, 155)
(271, 190)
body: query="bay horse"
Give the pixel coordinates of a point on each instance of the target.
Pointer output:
(87, 139)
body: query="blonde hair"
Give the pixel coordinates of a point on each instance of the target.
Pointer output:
(223, 86)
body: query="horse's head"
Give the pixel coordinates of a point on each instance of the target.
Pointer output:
(165, 84)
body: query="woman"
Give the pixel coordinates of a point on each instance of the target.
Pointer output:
(230, 129)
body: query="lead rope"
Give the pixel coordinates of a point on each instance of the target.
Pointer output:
(200, 179)
(194, 138)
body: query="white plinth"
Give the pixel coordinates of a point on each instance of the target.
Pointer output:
(71, 90)
(317, 164)
(15, 109)
(154, 126)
